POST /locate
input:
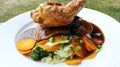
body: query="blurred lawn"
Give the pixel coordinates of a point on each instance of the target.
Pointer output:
(11, 8)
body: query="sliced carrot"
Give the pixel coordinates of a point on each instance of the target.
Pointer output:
(91, 56)
(75, 61)
(25, 44)
(81, 53)
(89, 44)
(42, 42)
(51, 48)
(25, 51)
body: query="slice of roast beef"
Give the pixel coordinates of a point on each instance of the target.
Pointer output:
(77, 27)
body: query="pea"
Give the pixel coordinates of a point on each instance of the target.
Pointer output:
(81, 41)
(51, 39)
(78, 48)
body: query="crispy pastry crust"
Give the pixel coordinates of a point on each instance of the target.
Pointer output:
(54, 14)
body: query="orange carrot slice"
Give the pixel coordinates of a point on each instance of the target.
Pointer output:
(81, 53)
(25, 44)
(89, 44)
(25, 51)
(51, 48)
(75, 61)
(42, 42)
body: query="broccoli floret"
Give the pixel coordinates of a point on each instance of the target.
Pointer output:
(38, 53)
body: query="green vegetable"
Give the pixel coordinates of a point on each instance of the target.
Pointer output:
(38, 53)
(64, 42)
(47, 59)
(53, 60)
(98, 50)
(50, 54)
(57, 59)
(81, 41)
(64, 37)
(70, 49)
(99, 46)
(65, 51)
(60, 42)
(78, 48)
(51, 39)
(75, 37)
(59, 55)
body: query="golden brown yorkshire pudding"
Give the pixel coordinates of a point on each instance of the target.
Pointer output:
(54, 14)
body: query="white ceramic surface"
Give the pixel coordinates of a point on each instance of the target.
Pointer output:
(108, 57)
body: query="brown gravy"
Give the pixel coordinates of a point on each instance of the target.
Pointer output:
(96, 29)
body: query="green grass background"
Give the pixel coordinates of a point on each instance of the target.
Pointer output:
(11, 8)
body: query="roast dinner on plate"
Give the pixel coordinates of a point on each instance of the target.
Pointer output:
(61, 35)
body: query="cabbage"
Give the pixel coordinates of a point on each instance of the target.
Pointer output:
(59, 56)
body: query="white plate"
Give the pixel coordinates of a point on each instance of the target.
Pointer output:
(108, 57)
